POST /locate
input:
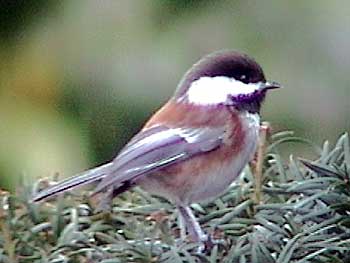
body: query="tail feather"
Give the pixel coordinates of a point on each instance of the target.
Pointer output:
(87, 177)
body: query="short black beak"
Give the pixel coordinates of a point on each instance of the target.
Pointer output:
(271, 85)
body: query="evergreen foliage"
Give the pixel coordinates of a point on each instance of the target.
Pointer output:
(301, 215)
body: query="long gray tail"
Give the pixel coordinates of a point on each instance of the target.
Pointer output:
(84, 178)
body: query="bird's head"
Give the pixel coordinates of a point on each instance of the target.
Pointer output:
(225, 78)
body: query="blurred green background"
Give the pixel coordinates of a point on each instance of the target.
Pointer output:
(79, 78)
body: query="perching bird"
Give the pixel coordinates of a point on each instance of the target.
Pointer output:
(196, 145)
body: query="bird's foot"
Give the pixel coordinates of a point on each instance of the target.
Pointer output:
(202, 242)
(207, 243)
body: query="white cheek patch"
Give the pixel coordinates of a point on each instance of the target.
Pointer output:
(215, 90)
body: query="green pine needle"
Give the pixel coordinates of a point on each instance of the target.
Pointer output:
(303, 216)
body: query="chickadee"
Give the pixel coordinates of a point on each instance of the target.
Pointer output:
(196, 145)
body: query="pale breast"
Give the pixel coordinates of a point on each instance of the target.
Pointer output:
(216, 180)
(200, 178)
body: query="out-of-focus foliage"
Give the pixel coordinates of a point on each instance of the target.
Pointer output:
(15, 16)
(79, 78)
(302, 217)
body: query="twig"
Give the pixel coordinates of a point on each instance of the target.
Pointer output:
(258, 171)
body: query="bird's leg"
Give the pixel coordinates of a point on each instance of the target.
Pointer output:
(193, 227)
(182, 225)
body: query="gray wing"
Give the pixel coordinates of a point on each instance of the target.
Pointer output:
(150, 150)
(159, 147)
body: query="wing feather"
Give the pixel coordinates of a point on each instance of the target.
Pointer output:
(161, 147)
(150, 150)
